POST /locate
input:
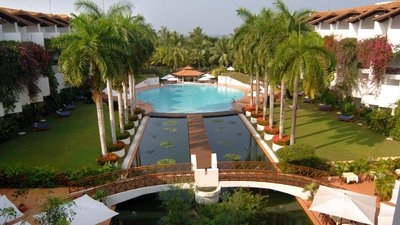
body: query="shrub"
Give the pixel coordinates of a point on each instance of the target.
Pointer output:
(122, 136)
(303, 155)
(384, 186)
(8, 128)
(329, 97)
(256, 115)
(365, 114)
(395, 131)
(129, 126)
(281, 141)
(115, 147)
(359, 166)
(133, 118)
(272, 131)
(379, 121)
(110, 158)
(262, 122)
(348, 109)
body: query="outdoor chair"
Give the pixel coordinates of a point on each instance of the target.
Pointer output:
(79, 97)
(40, 126)
(325, 107)
(360, 177)
(346, 118)
(69, 106)
(63, 113)
(308, 100)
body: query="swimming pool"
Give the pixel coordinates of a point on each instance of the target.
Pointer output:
(190, 98)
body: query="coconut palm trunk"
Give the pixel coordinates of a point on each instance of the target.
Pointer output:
(265, 93)
(100, 121)
(294, 110)
(125, 100)
(120, 111)
(271, 106)
(111, 111)
(257, 90)
(282, 109)
(251, 87)
(132, 91)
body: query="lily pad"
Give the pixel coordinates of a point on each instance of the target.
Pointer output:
(170, 129)
(225, 143)
(219, 129)
(217, 121)
(166, 144)
(170, 122)
(166, 161)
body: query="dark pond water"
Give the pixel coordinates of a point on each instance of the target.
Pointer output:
(164, 138)
(228, 135)
(147, 210)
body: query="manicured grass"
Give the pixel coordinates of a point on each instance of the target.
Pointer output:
(244, 78)
(336, 140)
(71, 142)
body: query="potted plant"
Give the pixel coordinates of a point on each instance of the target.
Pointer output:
(99, 195)
(278, 143)
(248, 109)
(269, 132)
(134, 119)
(130, 127)
(124, 137)
(117, 148)
(110, 157)
(139, 112)
(20, 196)
(254, 116)
(261, 123)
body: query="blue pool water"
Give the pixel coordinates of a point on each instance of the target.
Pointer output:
(190, 98)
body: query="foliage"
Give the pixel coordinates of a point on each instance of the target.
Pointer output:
(262, 122)
(359, 166)
(365, 114)
(272, 131)
(384, 186)
(138, 111)
(166, 161)
(312, 188)
(379, 121)
(109, 158)
(329, 97)
(348, 109)
(56, 211)
(99, 195)
(45, 177)
(8, 214)
(8, 128)
(122, 136)
(375, 53)
(129, 126)
(249, 108)
(20, 195)
(303, 155)
(254, 114)
(242, 206)
(232, 157)
(395, 131)
(133, 118)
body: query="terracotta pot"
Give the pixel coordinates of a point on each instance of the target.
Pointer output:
(22, 207)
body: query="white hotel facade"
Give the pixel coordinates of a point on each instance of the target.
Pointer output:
(20, 25)
(381, 19)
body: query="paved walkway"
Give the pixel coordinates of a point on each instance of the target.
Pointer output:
(198, 141)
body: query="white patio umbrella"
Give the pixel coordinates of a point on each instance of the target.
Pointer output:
(230, 68)
(204, 79)
(5, 203)
(114, 93)
(173, 79)
(386, 214)
(89, 211)
(255, 93)
(395, 192)
(168, 76)
(345, 204)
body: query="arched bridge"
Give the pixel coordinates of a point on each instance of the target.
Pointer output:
(240, 173)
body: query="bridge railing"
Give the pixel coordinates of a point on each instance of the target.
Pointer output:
(112, 177)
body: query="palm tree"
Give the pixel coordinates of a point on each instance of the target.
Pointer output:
(221, 52)
(87, 53)
(199, 46)
(303, 56)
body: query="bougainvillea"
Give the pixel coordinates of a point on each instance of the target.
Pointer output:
(21, 65)
(281, 141)
(375, 53)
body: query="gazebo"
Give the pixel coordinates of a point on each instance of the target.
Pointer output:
(188, 72)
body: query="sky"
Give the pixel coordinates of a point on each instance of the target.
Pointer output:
(216, 17)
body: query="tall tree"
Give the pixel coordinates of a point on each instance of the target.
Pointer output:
(221, 52)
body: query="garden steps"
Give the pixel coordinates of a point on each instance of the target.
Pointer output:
(198, 141)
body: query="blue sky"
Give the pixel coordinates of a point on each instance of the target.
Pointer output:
(216, 17)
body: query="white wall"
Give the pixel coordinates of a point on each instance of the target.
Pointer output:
(61, 81)
(225, 80)
(148, 82)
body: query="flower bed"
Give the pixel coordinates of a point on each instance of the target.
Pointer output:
(278, 143)
(261, 123)
(111, 157)
(270, 132)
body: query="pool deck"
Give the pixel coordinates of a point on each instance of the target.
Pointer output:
(198, 141)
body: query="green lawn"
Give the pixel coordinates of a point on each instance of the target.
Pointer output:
(337, 140)
(71, 142)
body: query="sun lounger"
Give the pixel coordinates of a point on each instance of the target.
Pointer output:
(69, 106)
(63, 113)
(308, 100)
(40, 126)
(346, 118)
(325, 107)
(80, 97)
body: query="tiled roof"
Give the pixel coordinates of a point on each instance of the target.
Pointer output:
(26, 18)
(354, 14)
(188, 72)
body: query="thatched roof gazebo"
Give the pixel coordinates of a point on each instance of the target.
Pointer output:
(188, 72)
